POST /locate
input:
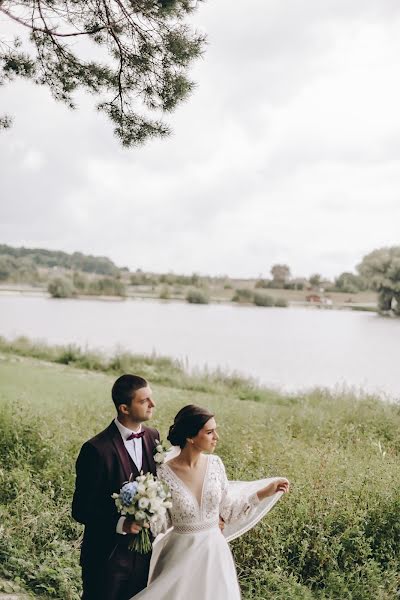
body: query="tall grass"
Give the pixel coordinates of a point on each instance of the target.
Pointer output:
(336, 535)
(158, 369)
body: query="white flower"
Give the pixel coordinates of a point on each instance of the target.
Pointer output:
(140, 515)
(141, 488)
(151, 493)
(155, 504)
(159, 452)
(143, 502)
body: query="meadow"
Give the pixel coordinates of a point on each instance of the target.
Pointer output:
(335, 535)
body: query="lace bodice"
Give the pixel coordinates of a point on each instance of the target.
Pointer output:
(188, 516)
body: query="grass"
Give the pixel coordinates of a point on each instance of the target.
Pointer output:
(336, 535)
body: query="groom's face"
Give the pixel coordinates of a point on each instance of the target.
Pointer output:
(142, 404)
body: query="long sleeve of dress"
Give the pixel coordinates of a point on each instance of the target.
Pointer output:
(162, 524)
(234, 507)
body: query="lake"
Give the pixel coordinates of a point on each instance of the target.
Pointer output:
(291, 349)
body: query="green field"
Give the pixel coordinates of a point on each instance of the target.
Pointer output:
(336, 535)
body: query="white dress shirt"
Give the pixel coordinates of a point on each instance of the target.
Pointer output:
(133, 447)
(135, 450)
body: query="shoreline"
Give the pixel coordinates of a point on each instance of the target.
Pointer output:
(33, 292)
(166, 370)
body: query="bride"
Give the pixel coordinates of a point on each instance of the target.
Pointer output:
(193, 559)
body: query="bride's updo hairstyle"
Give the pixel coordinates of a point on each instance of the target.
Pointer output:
(187, 424)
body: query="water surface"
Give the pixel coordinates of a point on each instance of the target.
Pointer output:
(292, 349)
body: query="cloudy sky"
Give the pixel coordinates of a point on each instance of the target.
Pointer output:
(288, 151)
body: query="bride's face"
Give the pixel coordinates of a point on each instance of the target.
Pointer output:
(207, 438)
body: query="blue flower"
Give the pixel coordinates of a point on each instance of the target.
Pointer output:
(128, 492)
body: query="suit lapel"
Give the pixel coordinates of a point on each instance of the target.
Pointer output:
(122, 453)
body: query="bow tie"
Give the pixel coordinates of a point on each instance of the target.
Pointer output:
(135, 436)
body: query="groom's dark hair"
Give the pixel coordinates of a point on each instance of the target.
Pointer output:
(125, 387)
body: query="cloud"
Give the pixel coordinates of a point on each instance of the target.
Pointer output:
(288, 151)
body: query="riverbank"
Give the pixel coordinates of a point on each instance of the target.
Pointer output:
(291, 349)
(218, 295)
(334, 536)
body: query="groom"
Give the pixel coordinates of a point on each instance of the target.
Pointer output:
(110, 571)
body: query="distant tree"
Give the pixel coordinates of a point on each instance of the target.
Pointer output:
(106, 286)
(39, 257)
(315, 280)
(27, 271)
(349, 283)
(195, 279)
(262, 299)
(299, 283)
(140, 278)
(243, 295)
(381, 270)
(8, 266)
(165, 293)
(145, 48)
(60, 287)
(262, 283)
(280, 274)
(80, 282)
(168, 278)
(18, 270)
(91, 264)
(195, 296)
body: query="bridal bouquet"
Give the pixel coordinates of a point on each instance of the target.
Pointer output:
(146, 499)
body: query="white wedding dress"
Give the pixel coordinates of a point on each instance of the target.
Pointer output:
(193, 559)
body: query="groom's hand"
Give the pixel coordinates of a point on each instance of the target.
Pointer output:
(130, 526)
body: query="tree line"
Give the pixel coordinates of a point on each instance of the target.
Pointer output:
(13, 260)
(379, 271)
(66, 275)
(281, 278)
(86, 274)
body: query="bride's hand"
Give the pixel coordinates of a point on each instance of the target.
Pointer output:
(281, 484)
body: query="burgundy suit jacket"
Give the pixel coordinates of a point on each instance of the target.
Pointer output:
(103, 465)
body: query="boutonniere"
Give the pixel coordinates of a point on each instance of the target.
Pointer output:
(159, 452)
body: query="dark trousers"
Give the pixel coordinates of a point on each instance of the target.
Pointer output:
(121, 577)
